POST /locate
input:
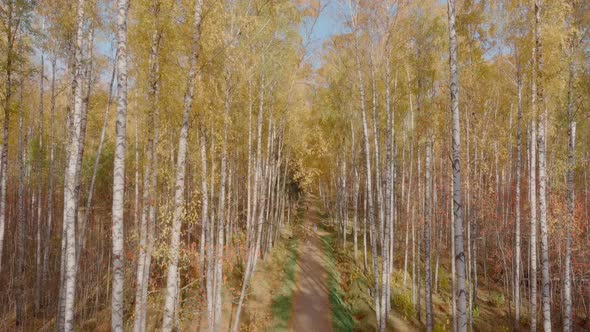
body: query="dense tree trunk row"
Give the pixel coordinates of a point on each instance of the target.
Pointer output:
(375, 136)
(470, 266)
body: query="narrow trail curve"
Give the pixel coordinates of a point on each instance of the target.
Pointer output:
(311, 305)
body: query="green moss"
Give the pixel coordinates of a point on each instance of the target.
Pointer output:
(341, 313)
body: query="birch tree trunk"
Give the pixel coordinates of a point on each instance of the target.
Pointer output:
(20, 226)
(533, 212)
(427, 222)
(147, 226)
(457, 206)
(517, 203)
(255, 223)
(249, 204)
(356, 186)
(369, 192)
(136, 180)
(178, 216)
(211, 239)
(119, 169)
(542, 111)
(45, 276)
(222, 216)
(376, 141)
(389, 193)
(72, 166)
(87, 87)
(453, 262)
(567, 277)
(205, 217)
(38, 254)
(10, 37)
(140, 300)
(153, 187)
(258, 179)
(533, 185)
(411, 169)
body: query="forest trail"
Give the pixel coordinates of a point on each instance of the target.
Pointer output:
(311, 305)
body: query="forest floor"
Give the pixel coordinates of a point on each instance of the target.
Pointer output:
(311, 304)
(310, 282)
(491, 313)
(351, 302)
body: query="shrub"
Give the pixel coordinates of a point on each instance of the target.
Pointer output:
(475, 312)
(444, 281)
(402, 302)
(498, 299)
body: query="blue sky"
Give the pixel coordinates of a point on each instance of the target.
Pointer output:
(330, 22)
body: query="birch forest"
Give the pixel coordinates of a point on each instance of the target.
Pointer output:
(295, 165)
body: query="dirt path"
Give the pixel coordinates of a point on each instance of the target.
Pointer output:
(311, 305)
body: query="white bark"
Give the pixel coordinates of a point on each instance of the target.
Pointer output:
(117, 313)
(457, 206)
(87, 87)
(427, 222)
(369, 192)
(517, 203)
(533, 184)
(542, 146)
(409, 188)
(10, 37)
(258, 179)
(45, 276)
(148, 215)
(255, 222)
(567, 275)
(533, 213)
(39, 227)
(20, 226)
(356, 186)
(69, 224)
(178, 216)
(222, 215)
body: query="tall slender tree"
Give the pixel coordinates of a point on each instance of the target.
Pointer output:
(457, 206)
(20, 233)
(148, 215)
(567, 265)
(68, 288)
(172, 276)
(117, 314)
(427, 237)
(517, 235)
(12, 17)
(542, 146)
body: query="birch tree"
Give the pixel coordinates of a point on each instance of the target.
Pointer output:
(117, 314)
(20, 236)
(367, 149)
(457, 207)
(148, 214)
(12, 28)
(172, 276)
(427, 226)
(542, 145)
(567, 291)
(72, 166)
